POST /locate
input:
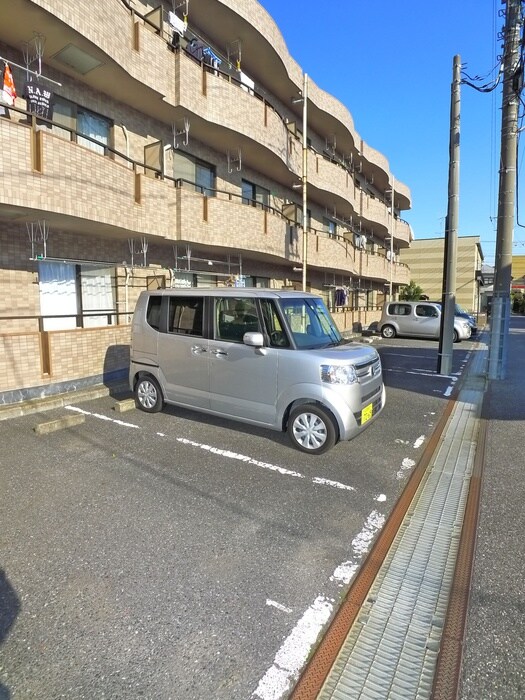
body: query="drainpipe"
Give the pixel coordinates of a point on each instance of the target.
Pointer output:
(126, 136)
(129, 272)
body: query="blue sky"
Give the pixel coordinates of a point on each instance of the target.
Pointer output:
(390, 63)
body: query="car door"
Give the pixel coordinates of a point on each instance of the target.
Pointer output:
(427, 320)
(243, 379)
(183, 352)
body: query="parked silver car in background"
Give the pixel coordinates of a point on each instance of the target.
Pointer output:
(418, 319)
(463, 313)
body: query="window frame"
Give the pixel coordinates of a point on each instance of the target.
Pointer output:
(193, 303)
(229, 328)
(69, 129)
(256, 192)
(193, 162)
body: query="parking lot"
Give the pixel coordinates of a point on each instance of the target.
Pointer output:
(175, 555)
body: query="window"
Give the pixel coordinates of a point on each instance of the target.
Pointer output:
(153, 312)
(185, 315)
(330, 227)
(64, 113)
(94, 126)
(70, 117)
(399, 309)
(97, 294)
(425, 310)
(309, 322)
(194, 171)
(255, 195)
(205, 179)
(68, 290)
(274, 327)
(235, 316)
(58, 295)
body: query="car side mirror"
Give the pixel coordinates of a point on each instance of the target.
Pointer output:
(253, 338)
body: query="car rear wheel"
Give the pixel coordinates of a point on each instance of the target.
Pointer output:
(312, 429)
(148, 395)
(388, 332)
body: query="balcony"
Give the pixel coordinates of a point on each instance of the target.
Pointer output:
(74, 188)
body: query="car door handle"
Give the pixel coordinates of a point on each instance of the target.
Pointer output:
(219, 353)
(198, 349)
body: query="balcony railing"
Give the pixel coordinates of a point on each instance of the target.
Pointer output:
(137, 168)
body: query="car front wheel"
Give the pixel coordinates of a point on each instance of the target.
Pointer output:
(312, 429)
(148, 395)
(388, 332)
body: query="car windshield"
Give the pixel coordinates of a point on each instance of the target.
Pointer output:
(310, 323)
(458, 310)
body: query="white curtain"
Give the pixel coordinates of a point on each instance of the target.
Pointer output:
(97, 294)
(57, 294)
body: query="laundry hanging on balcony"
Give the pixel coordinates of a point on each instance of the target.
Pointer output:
(39, 99)
(211, 57)
(178, 25)
(8, 92)
(201, 52)
(341, 296)
(247, 83)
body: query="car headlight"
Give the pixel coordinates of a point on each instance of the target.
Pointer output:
(338, 374)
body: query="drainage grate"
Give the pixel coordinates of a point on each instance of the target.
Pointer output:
(392, 648)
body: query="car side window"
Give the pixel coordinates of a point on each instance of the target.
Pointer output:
(274, 328)
(425, 310)
(153, 312)
(399, 309)
(235, 316)
(185, 315)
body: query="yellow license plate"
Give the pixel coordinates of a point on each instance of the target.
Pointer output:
(367, 413)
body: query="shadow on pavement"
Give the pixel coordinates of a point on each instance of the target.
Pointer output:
(9, 609)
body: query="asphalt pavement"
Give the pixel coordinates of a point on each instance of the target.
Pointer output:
(493, 665)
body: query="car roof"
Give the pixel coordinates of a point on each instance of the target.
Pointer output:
(253, 292)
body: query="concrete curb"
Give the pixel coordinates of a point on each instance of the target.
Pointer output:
(58, 424)
(48, 403)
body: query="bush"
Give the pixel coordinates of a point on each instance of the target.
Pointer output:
(411, 292)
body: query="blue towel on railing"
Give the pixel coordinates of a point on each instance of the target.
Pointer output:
(209, 53)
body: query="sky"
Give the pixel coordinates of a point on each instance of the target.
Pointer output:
(391, 64)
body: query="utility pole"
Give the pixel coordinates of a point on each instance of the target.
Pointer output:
(392, 229)
(448, 299)
(305, 177)
(500, 314)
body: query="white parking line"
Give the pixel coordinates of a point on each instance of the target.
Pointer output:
(279, 606)
(227, 453)
(100, 416)
(419, 441)
(265, 465)
(296, 648)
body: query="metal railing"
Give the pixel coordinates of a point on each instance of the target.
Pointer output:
(111, 316)
(36, 121)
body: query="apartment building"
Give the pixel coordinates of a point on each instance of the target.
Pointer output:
(518, 270)
(151, 145)
(425, 259)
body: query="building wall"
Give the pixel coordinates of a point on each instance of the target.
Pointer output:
(106, 207)
(518, 266)
(425, 261)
